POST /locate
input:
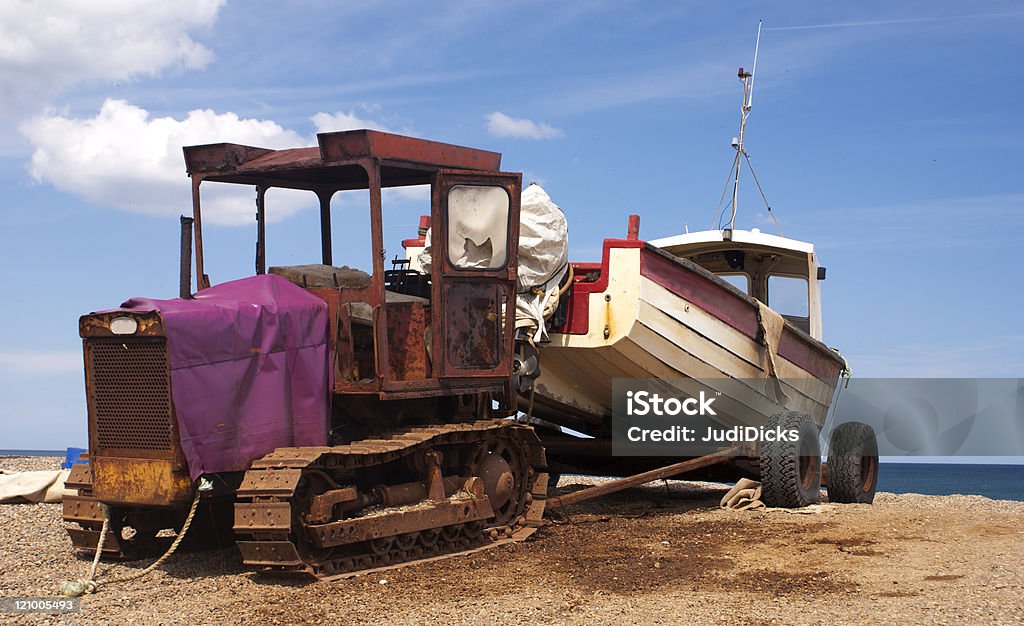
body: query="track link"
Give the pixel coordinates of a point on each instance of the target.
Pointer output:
(277, 529)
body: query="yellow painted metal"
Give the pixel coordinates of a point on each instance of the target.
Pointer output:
(141, 482)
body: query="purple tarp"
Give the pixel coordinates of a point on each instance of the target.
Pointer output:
(249, 370)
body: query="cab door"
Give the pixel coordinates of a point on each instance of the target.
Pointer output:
(476, 241)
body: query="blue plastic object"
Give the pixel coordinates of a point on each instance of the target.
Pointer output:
(72, 458)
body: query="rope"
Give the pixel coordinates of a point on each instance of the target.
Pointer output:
(770, 212)
(845, 375)
(76, 588)
(718, 211)
(568, 283)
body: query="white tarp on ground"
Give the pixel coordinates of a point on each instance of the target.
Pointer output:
(543, 259)
(42, 486)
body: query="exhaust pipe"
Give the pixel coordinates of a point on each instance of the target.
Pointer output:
(185, 278)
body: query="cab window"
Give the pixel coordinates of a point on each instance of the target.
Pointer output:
(739, 281)
(788, 295)
(478, 227)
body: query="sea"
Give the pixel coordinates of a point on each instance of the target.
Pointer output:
(999, 482)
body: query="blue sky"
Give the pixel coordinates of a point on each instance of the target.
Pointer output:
(886, 133)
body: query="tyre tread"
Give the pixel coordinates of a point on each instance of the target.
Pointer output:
(780, 465)
(849, 443)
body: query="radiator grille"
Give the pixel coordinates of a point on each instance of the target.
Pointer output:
(131, 395)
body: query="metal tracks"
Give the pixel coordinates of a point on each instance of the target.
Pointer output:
(335, 511)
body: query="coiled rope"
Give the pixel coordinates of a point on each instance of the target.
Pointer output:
(82, 586)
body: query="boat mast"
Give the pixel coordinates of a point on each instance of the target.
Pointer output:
(737, 142)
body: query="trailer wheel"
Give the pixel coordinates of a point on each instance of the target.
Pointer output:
(791, 470)
(852, 464)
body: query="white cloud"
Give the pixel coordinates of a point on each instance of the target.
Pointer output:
(48, 46)
(913, 20)
(502, 125)
(124, 159)
(27, 362)
(327, 122)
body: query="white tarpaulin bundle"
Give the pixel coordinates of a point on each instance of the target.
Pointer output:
(40, 486)
(543, 259)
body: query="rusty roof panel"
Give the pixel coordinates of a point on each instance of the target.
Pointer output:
(338, 161)
(219, 157)
(350, 145)
(291, 158)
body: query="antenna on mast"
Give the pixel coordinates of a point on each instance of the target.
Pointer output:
(753, 70)
(737, 142)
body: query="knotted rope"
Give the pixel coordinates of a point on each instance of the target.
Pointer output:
(82, 586)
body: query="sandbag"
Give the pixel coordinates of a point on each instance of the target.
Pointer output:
(745, 494)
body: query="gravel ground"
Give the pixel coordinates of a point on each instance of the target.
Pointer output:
(661, 554)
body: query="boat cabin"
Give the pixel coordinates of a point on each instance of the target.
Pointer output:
(783, 273)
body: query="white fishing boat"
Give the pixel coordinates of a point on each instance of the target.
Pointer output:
(731, 311)
(693, 310)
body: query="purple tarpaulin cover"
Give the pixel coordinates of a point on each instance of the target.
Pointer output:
(249, 370)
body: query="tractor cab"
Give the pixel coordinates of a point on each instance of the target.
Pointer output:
(400, 332)
(782, 273)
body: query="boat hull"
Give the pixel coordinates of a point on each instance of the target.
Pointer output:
(643, 313)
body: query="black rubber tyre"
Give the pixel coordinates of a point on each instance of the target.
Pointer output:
(852, 464)
(791, 470)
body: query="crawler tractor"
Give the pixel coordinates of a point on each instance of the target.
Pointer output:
(339, 420)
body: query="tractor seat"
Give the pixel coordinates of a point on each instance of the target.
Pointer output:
(322, 276)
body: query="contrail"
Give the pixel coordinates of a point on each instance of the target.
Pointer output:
(911, 20)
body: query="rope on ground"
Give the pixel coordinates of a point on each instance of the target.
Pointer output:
(82, 586)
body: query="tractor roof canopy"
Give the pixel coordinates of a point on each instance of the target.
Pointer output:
(337, 163)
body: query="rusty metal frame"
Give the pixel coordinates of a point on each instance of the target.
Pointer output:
(445, 274)
(370, 160)
(457, 510)
(202, 280)
(261, 229)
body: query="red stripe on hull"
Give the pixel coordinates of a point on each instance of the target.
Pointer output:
(736, 312)
(691, 285)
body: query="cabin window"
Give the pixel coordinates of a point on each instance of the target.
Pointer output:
(739, 281)
(787, 295)
(478, 226)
